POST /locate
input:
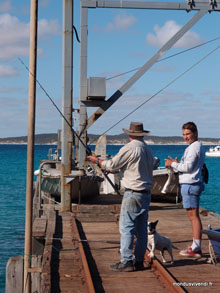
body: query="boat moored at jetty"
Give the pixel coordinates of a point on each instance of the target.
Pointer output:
(165, 186)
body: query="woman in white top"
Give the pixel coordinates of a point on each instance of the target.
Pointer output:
(191, 183)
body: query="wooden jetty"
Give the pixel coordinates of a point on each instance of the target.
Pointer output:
(69, 247)
(72, 251)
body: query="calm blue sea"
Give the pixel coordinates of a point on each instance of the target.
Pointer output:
(13, 184)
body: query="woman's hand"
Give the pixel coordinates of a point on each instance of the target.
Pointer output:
(168, 162)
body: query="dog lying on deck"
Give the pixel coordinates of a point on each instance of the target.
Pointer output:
(159, 242)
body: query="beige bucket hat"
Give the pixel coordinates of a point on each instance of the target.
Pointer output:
(136, 129)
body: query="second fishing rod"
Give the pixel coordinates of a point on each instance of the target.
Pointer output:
(88, 150)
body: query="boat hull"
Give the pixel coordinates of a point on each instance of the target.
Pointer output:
(160, 178)
(212, 154)
(165, 185)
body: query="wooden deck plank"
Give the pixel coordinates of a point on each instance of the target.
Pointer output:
(102, 246)
(65, 263)
(173, 223)
(105, 254)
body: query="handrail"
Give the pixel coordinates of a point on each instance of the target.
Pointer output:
(40, 173)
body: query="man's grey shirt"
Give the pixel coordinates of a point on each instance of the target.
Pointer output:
(135, 160)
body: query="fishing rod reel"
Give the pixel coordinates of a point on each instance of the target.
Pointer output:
(156, 163)
(90, 169)
(92, 173)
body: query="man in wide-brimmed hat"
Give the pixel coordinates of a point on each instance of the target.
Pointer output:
(135, 160)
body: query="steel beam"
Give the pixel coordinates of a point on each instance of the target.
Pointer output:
(146, 66)
(211, 5)
(83, 86)
(67, 138)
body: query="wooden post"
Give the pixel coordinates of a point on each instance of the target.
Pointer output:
(30, 145)
(14, 274)
(67, 137)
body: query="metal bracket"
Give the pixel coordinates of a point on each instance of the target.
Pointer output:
(191, 3)
(72, 176)
(95, 103)
(75, 110)
(213, 3)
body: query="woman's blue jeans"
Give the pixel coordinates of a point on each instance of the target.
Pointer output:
(133, 221)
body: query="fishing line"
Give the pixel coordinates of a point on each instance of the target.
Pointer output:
(161, 90)
(30, 256)
(51, 199)
(168, 57)
(88, 150)
(81, 240)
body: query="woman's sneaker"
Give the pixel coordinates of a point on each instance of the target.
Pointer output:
(190, 253)
(120, 267)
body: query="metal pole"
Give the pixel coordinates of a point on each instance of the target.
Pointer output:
(30, 144)
(83, 86)
(67, 137)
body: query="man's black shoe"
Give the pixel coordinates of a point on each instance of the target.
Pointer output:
(120, 267)
(139, 266)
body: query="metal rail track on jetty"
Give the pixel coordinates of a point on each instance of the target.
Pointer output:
(64, 266)
(80, 263)
(76, 260)
(165, 276)
(73, 255)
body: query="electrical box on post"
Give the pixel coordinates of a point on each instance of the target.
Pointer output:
(96, 88)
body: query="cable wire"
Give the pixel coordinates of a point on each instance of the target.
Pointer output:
(161, 90)
(168, 57)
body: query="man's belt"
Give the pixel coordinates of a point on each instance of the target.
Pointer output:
(138, 191)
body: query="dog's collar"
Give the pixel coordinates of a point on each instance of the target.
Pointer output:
(152, 233)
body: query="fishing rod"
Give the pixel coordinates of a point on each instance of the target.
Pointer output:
(88, 150)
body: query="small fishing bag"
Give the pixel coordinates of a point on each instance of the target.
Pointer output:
(205, 174)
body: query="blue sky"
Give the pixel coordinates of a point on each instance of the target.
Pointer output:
(119, 40)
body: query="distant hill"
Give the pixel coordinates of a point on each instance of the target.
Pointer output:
(123, 138)
(51, 138)
(48, 138)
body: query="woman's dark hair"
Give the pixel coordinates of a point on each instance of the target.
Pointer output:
(191, 126)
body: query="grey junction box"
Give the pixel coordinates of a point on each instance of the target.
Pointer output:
(96, 88)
